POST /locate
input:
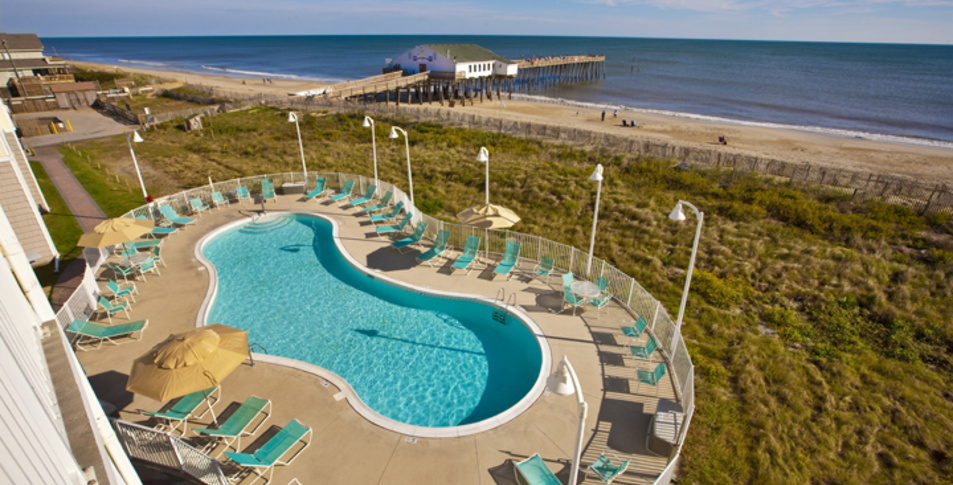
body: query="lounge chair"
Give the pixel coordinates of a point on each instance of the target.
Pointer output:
(197, 205)
(646, 351)
(122, 271)
(345, 191)
(158, 229)
(606, 470)
(121, 291)
(368, 196)
(236, 426)
(413, 239)
(651, 378)
(135, 245)
(241, 193)
(380, 205)
(545, 266)
(510, 259)
(264, 460)
(635, 330)
(466, 258)
(112, 308)
(533, 471)
(439, 245)
(390, 215)
(170, 214)
(185, 408)
(318, 188)
(395, 227)
(572, 300)
(267, 191)
(90, 335)
(218, 199)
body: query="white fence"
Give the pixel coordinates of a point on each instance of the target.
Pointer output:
(169, 451)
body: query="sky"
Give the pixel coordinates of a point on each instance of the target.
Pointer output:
(900, 21)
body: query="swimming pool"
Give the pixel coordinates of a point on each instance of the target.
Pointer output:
(411, 356)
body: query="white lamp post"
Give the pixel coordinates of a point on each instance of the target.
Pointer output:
(595, 177)
(410, 176)
(679, 215)
(134, 137)
(293, 118)
(369, 123)
(484, 156)
(564, 382)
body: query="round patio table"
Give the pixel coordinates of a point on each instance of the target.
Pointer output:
(585, 289)
(135, 260)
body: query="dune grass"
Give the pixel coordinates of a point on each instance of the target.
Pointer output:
(820, 327)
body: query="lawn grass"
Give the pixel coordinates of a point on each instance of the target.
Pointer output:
(62, 226)
(115, 193)
(821, 327)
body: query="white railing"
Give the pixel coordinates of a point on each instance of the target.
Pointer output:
(168, 451)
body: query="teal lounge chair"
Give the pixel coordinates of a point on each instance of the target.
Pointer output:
(112, 308)
(651, 378)
(644, 352)
(533, 471)
(438, 247)
(413, 239)
(392, 214)
(197, 205)
(466, 258)
(237, 425)
(635, 330)
(90, 336)
(267, 191)
(184, 409)
(241, 193)
(572, 300)
(158, 229)
(510, 259)
(121, 291)
(170, 214)
(218, 199)
(122, 271)
(395, 227)
(345, 191)
(606, 470)
(380, 205)
(135, 245)
(318, 188)
(264, 460)
(368, 196)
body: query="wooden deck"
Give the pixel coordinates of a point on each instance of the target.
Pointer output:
(556, 61)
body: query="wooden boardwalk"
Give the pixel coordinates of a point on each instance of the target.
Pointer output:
(534, 62)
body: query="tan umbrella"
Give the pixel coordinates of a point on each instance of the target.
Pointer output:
(489, 216)
(115, 231)
(188, 362)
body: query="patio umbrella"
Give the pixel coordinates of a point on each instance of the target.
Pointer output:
(188, 362)
(115, 231)
(489, 216)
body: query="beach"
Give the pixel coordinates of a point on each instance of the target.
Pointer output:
(924, 163)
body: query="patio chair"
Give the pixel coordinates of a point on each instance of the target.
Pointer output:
(345, 191)
(122, 271)
(184, 409)
(511, 258)
(606, 470)
(112, 308)
(646, 351)
(157, 254)
(390, 215)
(650, 377)
(368, 196)
(318, 188)
(395, 227)
(470, 248)
(439, 245)
(170, 214)
(149, 266)
(544, 267)
(264, 460)
(533, 471)
(571, 300)
(601, 302)
(635, 330)
(197, 205)
(602, 283)
(121, 291)
(380, 205)
(241, 193)
(90, 335)
(219, 200)
(568, 279)
(236, 426)
(414, 238)
(267, 191)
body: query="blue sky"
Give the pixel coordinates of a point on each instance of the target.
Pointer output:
(905, 21)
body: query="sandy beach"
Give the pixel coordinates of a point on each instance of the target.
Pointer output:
(924, 163)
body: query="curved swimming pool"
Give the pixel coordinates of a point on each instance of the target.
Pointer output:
(411, 356)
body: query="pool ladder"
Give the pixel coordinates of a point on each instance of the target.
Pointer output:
(500, 316)
(251, 347)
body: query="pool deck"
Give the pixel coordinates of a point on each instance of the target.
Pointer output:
(348, 449)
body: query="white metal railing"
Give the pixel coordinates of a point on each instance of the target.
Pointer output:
(169, 451)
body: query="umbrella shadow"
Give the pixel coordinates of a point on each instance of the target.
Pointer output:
(387, 259)
(110, 387)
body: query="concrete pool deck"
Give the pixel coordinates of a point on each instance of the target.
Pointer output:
(348, 449)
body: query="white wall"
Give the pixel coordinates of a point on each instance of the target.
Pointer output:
(433, 61)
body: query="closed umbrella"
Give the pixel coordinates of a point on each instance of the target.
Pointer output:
(188, 362)
(488, 216)
(115, 231)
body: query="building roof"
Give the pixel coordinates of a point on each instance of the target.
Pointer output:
(6, 65)
(22, 42)
(466, 52)
(67, 87)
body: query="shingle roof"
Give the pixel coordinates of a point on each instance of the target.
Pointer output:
(26, 42)
(466, 52)
(6, 65)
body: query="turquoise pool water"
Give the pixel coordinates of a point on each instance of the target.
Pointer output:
(415, 358)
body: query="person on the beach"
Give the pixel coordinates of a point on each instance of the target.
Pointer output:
(603, 115)
(615, 113)
(624, 123)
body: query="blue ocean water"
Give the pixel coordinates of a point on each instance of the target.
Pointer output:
(870, 90)
(414, 358)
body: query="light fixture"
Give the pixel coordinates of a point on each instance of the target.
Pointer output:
(677, 213)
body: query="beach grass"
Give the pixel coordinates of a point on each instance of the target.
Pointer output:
(820, 326)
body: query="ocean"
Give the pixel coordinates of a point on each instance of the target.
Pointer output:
(891, 92)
